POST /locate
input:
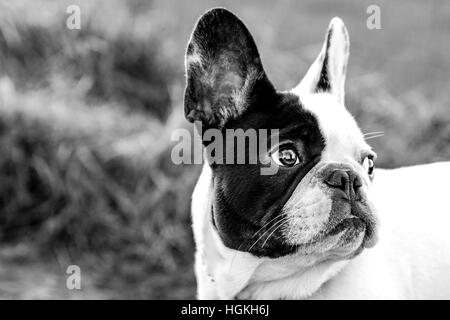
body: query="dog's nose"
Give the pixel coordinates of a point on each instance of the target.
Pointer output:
(345, 180)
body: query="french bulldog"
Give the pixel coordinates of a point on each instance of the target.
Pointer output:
(327, 224)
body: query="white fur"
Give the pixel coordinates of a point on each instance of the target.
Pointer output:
(343, 136)
(308, 210)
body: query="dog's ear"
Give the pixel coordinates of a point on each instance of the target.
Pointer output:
(327, 73)
(223, 69)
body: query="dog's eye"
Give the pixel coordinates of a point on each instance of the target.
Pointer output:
(285, 156)
(369, 164)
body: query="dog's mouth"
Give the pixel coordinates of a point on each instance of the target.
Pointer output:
(352, 227)
(349, 229)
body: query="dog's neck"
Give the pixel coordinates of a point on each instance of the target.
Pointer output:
(237, 274)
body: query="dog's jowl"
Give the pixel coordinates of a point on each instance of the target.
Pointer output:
(326, 223)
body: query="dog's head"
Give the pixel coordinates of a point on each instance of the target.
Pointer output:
(318, 201)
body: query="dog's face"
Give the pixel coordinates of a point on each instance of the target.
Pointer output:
(318, 201)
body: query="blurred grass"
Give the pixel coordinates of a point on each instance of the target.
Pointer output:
(86, 118)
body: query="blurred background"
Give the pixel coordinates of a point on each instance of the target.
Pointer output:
(86, 116)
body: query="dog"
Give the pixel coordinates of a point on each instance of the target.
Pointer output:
(327, 224)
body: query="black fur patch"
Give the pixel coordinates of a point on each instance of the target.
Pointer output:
(246, 203)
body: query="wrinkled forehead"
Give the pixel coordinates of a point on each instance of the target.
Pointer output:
(343, 138)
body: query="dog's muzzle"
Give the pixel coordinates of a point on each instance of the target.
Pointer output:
(351, 209)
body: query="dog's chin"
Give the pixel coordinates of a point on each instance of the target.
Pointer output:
(345, 238)
(355, 229)
(345, 241)
(351, 237)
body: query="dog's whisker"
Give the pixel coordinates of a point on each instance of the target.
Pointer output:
(373, 132)
(279, 226)
(266, 224)
(260, 229)
(373, 137)
(268, 230)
